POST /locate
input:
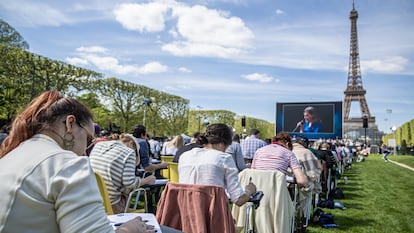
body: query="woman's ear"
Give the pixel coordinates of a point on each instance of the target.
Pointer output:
(131, 145)
(70, 121)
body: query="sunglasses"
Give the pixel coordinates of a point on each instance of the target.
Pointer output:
(89, 136)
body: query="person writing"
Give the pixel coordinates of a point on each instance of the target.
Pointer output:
(47, 185)
(236, 152)
(279, 156)
(170, 148)
(115, 161)
(310, 123)
(140, 133)
(211, 165)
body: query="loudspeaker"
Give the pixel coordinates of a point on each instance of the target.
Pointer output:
(243, 121)
(365, 122)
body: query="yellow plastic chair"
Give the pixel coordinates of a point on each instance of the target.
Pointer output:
(166, 172)
(104, 194)
(167, 158)
(173, 168)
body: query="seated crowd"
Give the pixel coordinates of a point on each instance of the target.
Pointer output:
(52, 185)
(216, 158)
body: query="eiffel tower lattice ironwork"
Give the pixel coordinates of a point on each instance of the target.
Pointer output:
(354, 90)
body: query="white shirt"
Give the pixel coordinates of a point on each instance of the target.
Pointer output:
(47, 189)
(169, 150)
(210, 167)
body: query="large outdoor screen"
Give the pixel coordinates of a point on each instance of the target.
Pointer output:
(313, 120)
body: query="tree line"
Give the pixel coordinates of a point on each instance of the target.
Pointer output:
(116, 104)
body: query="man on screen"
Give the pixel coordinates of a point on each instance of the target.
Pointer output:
(311, 122)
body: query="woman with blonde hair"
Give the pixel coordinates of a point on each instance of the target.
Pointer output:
(171, 147)
(130, 141)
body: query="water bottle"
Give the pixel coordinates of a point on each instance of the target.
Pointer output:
(345, 180)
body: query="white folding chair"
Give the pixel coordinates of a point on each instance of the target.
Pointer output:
(328, 184)
(134, 195)
(291, 182)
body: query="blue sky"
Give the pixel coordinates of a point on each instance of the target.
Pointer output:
(238, 55)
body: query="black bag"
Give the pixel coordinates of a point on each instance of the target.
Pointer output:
(339, 194)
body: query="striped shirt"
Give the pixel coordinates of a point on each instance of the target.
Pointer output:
(115, 162)
(275, 157)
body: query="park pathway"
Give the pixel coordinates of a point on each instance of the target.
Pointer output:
(402, 165)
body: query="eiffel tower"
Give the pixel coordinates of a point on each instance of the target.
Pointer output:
(354, 91)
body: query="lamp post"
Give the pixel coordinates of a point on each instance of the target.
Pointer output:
(394, 129)
(199, 122)
(388, 119)
(205, 122)
(146, 102)
(365, 125)
(199, 115)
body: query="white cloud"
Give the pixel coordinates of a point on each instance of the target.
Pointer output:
(109, 64)
(199, 24)
(279, 12)
(152, 67)
(386, 65)
(199, 49)
(173, 33)
(76, 61)
(35, 13)
(184, 70)
(263, 78)
(90, 55)
(141, 17)
(199, 31)
(91, 49)
(176, 88)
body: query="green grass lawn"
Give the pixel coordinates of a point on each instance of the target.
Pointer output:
(405, 159)
(379, 197)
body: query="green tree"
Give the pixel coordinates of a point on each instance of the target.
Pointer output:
(122, 99)
(50, 74)
(197, 118)
(90, 99)
(267, 129)
(10, 37)
(173, 112)
(101, 114)
(14, 81)
(23, 75)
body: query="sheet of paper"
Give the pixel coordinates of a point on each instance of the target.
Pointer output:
(155, 161)
(160, 181)
(118, 219)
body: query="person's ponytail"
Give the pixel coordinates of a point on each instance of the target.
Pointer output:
(27, 123)
(40, 114)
